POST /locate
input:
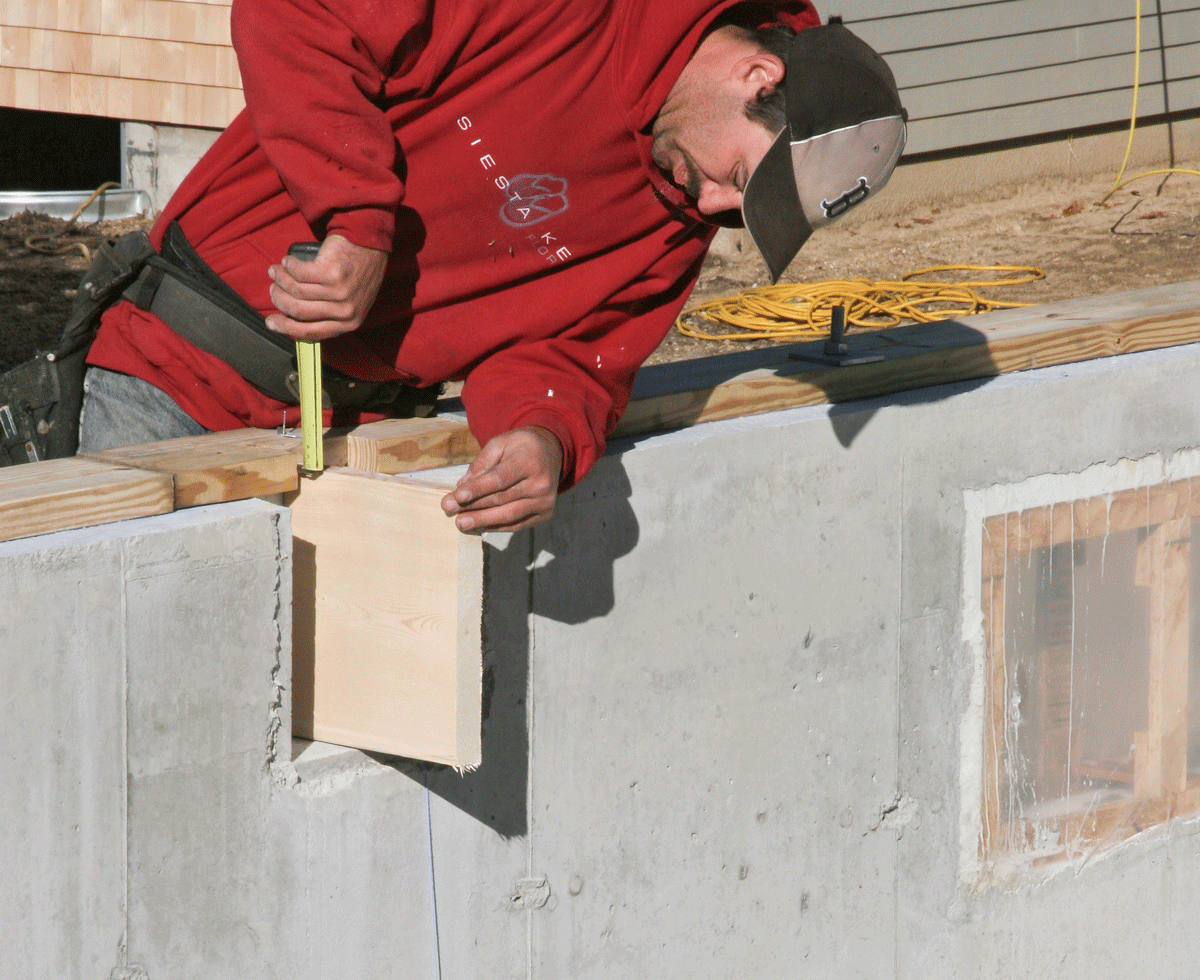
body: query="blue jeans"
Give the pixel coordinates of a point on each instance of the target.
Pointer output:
(120, 410)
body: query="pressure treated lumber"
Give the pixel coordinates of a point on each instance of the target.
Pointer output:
(244, 463)
(407, 445)
(915, 356)
(218, 467)
(60, 494)
(388, 597)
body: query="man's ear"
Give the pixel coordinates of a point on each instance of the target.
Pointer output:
(758, 71)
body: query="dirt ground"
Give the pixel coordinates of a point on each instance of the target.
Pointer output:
(36, 289)
(1144, 235)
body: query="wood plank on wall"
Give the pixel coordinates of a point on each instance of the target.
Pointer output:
(164, 61)
(914, 357)
(218, 467)
(60, 494)
(387, 653)
(1012, 122)
(923, 25)
(975, 58)
(1110, 77)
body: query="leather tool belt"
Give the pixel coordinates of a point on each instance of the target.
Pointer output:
(178, 287)
(40, 400)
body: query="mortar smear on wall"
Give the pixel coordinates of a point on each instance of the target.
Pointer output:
(1040, 833)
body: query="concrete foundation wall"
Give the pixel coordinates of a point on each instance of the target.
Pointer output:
(725, 697)
(156, 158)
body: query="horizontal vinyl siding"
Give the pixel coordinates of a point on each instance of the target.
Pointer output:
(995, 70)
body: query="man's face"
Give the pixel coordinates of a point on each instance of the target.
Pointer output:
(703, 141)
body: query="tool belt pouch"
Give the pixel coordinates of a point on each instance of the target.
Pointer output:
(40, 400)
(179, 288)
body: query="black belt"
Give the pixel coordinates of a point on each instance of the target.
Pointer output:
(179, 288)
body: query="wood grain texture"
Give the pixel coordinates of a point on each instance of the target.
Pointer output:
(1015, 535)
(254, 462)
(406, 445)
(1163, 566)
(1108, 823)
(217, 467)
(995, 717)
(387, 604)
(61, 494)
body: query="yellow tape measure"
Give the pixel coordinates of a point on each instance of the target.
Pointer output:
(308, 368)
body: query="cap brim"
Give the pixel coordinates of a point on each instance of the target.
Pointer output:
(771, 208)
(801, 186)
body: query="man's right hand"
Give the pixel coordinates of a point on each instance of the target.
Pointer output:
(328, 296)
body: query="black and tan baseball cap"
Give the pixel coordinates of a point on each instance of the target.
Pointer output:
(844, 135)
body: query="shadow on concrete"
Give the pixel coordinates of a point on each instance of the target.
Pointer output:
(593, 526)
(304, 603)
(495, 792)
(563, 572)
(922, 362)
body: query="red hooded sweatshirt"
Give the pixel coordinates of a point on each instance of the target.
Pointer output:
(500, 151)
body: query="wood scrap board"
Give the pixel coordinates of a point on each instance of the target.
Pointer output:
(388, 598)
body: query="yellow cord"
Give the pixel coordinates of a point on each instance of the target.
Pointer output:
(803, 309)
(1137, 76)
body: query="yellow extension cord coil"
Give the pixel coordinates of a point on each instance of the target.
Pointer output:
(794, 310)
(798, 310)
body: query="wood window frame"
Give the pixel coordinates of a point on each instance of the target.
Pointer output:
(1162, 789)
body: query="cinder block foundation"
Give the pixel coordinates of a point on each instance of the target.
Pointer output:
(731, 707)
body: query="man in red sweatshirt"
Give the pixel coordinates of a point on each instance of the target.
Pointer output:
(518, 194)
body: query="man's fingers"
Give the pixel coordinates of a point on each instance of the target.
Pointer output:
(492, 479)
(514, 516)
(304, 330)
(498, 485)
(310, 309)
(328, 296)
(499, 498)
(512, 483)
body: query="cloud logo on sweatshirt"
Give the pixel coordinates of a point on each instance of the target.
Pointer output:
(533, 198)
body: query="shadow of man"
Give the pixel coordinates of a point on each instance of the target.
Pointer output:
(561, 571)
(925, 361)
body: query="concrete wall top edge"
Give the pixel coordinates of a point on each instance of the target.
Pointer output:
(163, 523)
(792, 416)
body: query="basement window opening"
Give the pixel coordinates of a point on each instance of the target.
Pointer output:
(1092, 711)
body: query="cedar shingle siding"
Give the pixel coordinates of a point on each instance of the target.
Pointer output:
(164, 61)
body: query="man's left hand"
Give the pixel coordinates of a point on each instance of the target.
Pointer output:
(512, 483)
